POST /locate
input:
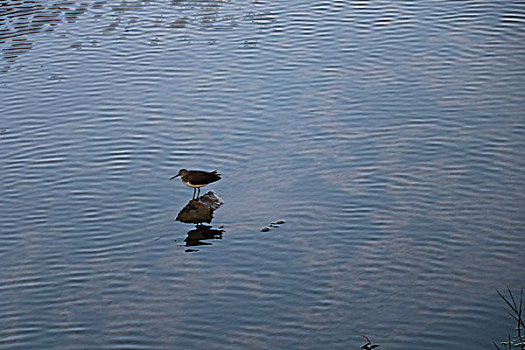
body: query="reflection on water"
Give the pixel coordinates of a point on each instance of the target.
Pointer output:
(21, 20)
(202, 233)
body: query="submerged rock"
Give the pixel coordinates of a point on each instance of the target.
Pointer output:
(273, 224)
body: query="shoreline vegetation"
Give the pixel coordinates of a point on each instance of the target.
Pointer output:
(515, 310)
(368, 345)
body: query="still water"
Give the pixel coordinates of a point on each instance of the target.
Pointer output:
(389, 135)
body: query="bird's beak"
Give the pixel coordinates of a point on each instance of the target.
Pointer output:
(171, 178)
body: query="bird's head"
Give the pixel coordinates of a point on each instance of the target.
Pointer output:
(181, 173)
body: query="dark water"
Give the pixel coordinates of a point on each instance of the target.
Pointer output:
(388, 134)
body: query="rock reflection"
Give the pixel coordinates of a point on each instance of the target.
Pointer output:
(201, 233)
(199, 211)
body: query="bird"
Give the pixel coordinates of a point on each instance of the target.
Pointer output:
(197, 179)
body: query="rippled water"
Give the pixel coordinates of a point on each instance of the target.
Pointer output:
(389, 136)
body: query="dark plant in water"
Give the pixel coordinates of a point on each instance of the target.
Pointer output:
(368, 345)
(516, 312)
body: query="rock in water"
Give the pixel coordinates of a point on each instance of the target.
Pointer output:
(200, 210)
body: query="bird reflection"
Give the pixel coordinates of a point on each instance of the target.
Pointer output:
(199, 211)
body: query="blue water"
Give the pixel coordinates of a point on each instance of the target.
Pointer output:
(388, 135)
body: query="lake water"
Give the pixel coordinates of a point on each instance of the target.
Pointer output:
(389, 135)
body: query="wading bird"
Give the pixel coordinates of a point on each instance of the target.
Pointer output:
(197, 179)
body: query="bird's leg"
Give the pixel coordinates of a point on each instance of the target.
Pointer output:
(194, 190)
(199, 193)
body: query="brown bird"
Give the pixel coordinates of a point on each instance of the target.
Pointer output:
(197, 179)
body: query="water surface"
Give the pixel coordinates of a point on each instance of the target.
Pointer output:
(388, 135)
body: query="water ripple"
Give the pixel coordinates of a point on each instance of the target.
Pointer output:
(387, 135)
